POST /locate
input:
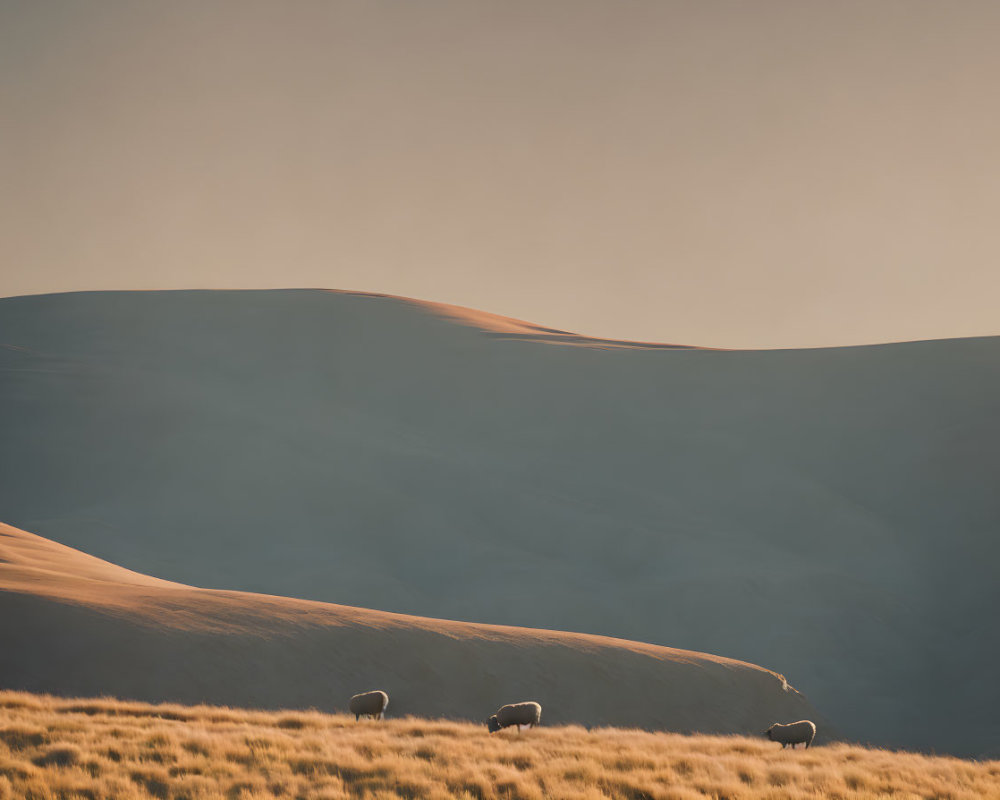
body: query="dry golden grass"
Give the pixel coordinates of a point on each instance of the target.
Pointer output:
(53, 748)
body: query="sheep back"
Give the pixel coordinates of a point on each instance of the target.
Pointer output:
(801, 732)
(368, 703)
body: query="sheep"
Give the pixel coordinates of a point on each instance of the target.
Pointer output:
(529, 713)
(369, 704)
(792, 734)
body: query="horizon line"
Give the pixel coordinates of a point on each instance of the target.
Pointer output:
(505, 327)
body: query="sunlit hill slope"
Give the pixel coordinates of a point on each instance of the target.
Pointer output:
(79, 748)
(73, 624)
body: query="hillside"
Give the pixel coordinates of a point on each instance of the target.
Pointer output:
(73, 624)
(83, 748)
(830, 514)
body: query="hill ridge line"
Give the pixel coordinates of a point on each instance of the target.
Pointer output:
(507, 327)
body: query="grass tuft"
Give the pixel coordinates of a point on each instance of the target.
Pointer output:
(60, 755)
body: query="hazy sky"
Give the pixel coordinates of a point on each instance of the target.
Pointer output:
(744, 174)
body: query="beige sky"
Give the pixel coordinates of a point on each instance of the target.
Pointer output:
(738, 174)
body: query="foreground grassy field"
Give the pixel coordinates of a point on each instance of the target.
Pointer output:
(53, 748)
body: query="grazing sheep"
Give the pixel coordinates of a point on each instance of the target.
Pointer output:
(792, 734)
(368, 704)
(519, 714)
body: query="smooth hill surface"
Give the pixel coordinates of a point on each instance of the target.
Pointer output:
(73, 624)
(831, 514)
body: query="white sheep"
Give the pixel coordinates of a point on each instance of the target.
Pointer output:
(369, 704)
(792, 734)
(528, 713)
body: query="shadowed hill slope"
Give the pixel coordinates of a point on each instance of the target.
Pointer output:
(72, 624)
(829, 513)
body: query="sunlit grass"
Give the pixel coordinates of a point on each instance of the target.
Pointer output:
(65, 749)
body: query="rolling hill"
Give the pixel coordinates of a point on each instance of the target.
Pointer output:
(73, 624)
(831, 513)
